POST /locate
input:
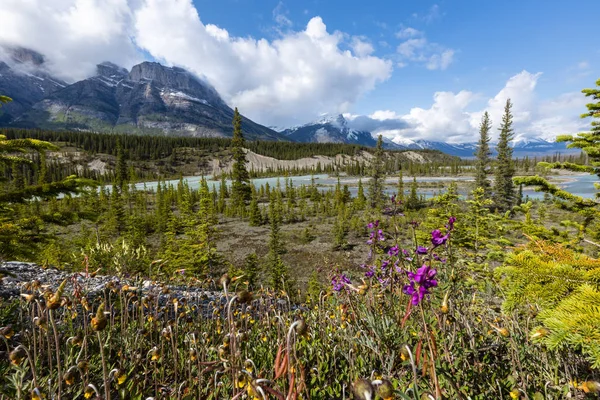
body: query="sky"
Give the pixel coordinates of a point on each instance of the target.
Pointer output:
(404, 69)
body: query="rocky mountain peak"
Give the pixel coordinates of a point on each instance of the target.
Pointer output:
(110, 70)
(25, 56)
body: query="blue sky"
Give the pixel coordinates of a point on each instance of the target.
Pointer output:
(493, 40)
(416, 69)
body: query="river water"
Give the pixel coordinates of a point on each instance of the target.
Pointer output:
(577, 184)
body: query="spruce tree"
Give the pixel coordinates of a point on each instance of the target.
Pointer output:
(377, 176)
(251, 270)
(400, 194)
(121, 170)
(240, 187)
(255, 215)
(482, 165)
(504, 191)
(275, 266)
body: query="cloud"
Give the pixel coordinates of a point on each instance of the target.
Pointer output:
(280, 15)
(430, 16)
(283, 81)
(440, 61)
(74, 35)
(409, 32)
(419, 50)
(382, 120)
(454, 118)
(361, 47)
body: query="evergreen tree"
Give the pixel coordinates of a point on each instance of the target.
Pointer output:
(251, 270)
(255, 214)
(377, 182)
(360, 200)
(413, 202)
(400, 194)
(275, 266)
(483, 154)
(121, 170)
(240, 187)
(504, 191)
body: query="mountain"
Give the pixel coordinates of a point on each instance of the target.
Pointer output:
(521, 147)
(25, 78)
(333, 129)
(149, 99)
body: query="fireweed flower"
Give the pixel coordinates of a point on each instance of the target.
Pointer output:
(450, 225)
(420, 283)
(437, 239)
(438, 258)
(422, 250)
(338, 282)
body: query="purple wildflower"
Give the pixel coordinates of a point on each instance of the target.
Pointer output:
(438, 258)
(384, 264)
(420, 283)
(339, 282)
(437, 239)
(422, 250)
(450, 225)
(394, 251)
(373, 225)
(380, 235)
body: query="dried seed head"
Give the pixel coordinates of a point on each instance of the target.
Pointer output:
(590, 387)
(244, 297)
(301, 328)
(404, 352)
(71, 375)
(99, 321)
(17, 356)
(362, 389)
(7, 331)
(385, 390)
(225, 280)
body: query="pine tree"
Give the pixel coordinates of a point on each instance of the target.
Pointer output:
(400, 194)
(121, 170)
(275, 266)
(377, 176)
(483, 154)
(240, 187)
(413, 202)
(255, 214)
(504, 191)
(251, 270)
(360, 200)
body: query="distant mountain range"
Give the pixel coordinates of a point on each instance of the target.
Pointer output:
(154, 99)
(336, 129)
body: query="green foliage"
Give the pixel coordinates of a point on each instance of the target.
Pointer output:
(483, 154)
(573, 323)
(376, 184)
(504, 192)
(240, 186)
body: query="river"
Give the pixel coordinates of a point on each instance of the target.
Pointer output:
(577, 184)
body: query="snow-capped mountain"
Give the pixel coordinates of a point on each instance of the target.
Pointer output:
(333, 129)
(521, 147)
(151, 98)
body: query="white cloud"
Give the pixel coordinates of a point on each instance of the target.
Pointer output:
(361, 47)
(74, 35)
(452, 116)
(276, 82)
(286, 81)
(280, 15)
(440, 61)
(418, 49)
(409, 32)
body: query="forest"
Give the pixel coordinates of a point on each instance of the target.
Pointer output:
(236, 290)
